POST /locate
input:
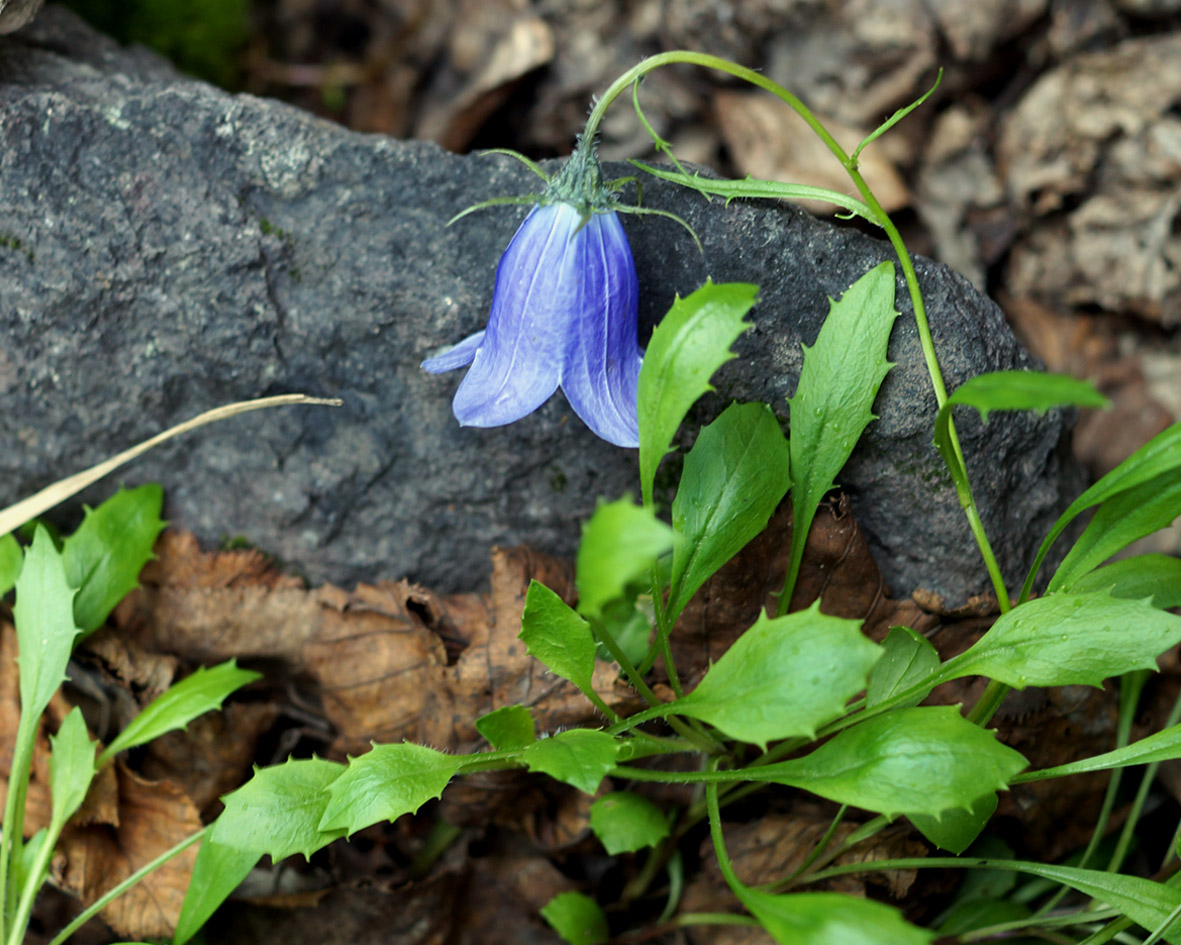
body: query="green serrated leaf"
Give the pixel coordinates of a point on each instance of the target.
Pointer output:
(104, 556)
(923, 760)
(45, 629)
(177, 706)
(620, 543)
(580, 757)
(557, 637)
(11, 559)
(783, 677)
(625, 822)
(71, 767)
(217, 872)
(833, 403)
(1119, 521)
(907, 660)
(955, 830)
(1069, 639)
(509, 727)
(1153, 576)
(278, 811)
(1159, 455)
(691, 342)
(577, 918)
(385, 783)
(830, 918)
(734, 478)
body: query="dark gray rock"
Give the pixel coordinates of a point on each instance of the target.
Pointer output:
(168, 248)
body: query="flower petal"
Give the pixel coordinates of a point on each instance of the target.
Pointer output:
(518, 365)
(456, 356)
(601, 363)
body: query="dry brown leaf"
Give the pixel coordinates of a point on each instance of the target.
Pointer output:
(1089, 154)
(393, 661)
(495, 670)
(381, 670)
(153, 816)
(212, 755)
(494, 44)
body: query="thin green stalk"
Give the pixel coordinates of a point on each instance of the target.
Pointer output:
(1129, 696)
(928, 345)
(1001, 929)
(990, 700)
(14, 820)
(715, 832)
(597, 701)
(818, 850)
(713, 918)
(1108, 932)
(664, 631)
(702, 740)
(33, 883)
(101, 903)
(656, 858)
(1126, 835)
(850, 163)
(678, 777)
(438, 842)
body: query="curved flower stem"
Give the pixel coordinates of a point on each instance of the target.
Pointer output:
(850, 163)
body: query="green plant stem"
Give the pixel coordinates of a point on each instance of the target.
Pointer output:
(597, 701)
(715, 832)
(101, 903)
(713, 918)
(664, 631)
(438, 841)
(33, 883)
(1001, 929)
(656, 858)
(850, 164)
(701, 739)
(14, 819)
(816, 851)
(1149, 775)
(990, 700)
(678, 777)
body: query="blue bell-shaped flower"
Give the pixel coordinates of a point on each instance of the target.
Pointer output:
(563, 314)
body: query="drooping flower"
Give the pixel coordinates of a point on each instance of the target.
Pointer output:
(564, 314)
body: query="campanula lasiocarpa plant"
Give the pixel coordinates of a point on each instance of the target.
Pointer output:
(563, 315)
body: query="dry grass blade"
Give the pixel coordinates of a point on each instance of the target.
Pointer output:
(16, 515)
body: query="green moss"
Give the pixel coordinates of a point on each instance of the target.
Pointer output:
(7, 241)
(202, 37)
(270, 229)
(557, 480)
